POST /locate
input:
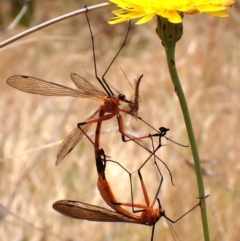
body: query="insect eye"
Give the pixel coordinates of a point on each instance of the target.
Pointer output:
(121, 97)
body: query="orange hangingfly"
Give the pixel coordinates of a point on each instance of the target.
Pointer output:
(149, 215)
(107, 110)
(88, 90)
(86, 211)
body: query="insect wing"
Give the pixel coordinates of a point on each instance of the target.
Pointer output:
(73, 138)
(87, 87)
(42, 87)
(79, 210)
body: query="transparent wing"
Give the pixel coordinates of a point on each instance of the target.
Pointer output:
(87, 87)
(73, 138)
(80, 210)
(42, 87)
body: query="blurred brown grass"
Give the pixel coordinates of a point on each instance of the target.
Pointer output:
(208, 65)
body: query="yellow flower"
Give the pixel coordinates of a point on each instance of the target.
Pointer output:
(147, 9)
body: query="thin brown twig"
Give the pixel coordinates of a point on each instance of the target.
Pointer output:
(51, 22)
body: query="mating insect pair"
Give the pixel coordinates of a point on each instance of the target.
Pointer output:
(106, 111)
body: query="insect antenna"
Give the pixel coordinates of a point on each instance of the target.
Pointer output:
(127, 78)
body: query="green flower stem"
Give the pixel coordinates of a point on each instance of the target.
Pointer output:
(169, 34)
(170, 53)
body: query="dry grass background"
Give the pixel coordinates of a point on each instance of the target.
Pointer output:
(208, 64)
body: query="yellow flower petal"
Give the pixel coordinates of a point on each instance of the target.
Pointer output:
(172, 16)
(145, 19)
(218, 14)
(170, 9)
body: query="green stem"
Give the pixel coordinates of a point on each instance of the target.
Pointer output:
(169, 46)
(170, 53)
